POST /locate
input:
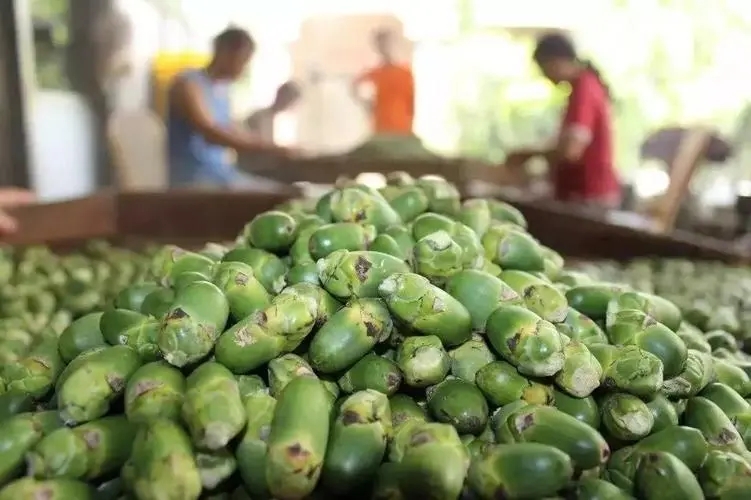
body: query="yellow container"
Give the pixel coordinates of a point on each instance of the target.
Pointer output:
(165, 67)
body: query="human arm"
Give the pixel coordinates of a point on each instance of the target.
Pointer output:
(584, 104)
(188, 101)
(519, 157)
(575, 136)
(356, 86)
(569, 147)
(261, 124)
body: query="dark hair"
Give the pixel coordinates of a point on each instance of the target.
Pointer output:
(234, 39)
(559, 46)
(289, 88)
(381, 31)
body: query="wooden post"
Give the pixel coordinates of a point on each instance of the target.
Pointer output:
(691, 152)
(88, 53)
(15, 86)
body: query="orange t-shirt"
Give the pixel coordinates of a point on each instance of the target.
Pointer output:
(394, 105)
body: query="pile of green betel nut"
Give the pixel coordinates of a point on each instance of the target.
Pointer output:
(714, 297)
(393, 344)
(42, 292)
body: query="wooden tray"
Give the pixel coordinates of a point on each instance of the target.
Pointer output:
(191, 217)
(166, 216)
(585, 234)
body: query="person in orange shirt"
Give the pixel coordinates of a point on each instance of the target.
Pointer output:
(392, 107)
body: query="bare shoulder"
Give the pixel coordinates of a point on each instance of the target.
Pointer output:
(182, 84)
(185, 90)
(178, 88)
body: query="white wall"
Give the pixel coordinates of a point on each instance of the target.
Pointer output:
(61, 138)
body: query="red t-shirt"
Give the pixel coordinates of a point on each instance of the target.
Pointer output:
(593, 177)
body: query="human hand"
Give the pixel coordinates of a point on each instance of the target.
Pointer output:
(9, 198)
(290, 152)
(517, 159)
(8, 224)
(551, 157)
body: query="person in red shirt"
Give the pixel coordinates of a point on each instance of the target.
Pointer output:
(581, 162)
(392, 108)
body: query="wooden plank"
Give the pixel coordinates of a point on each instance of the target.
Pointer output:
(495, 175)
(80, 219)
(689, 156)
(14, 82)
(663, 144)
(579, 233)
(211, 215)
(191, 217)
(95, 38)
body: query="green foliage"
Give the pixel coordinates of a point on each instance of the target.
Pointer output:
(50, 60)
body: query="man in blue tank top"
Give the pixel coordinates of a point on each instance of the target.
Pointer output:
(201, 134)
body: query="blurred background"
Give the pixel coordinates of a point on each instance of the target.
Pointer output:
(670, 63)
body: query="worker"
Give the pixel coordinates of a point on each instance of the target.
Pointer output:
(581, 161)
(11, 198)
(392, 107)
(202, 137)
(261, 122)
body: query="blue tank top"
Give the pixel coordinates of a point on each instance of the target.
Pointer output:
(192, 159)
